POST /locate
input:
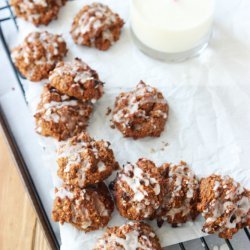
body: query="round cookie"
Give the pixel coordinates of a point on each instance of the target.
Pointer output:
(37, 12)
(61, 116)
(38, 55)
(141, 112)
(133, 235)
(181, 194)
(97, 26)
(77, 79)
(225, 205)
(86, 209)
(138, 190)
(83, 161)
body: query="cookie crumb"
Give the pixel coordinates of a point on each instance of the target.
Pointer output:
(109, 110)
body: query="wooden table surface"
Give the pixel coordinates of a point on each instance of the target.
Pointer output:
(19, 226)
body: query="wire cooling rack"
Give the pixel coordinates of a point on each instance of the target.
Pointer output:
(201, 243)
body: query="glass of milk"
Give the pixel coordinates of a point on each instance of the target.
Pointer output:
(171, 30)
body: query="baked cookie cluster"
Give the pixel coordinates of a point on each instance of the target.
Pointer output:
(181, 194)
(77, 79)
(133, 235)
(38, 55)
(96, 26)
(37, 12)
(61, 116)
(83, 165)
(66, 102)
(225, 205)
(86, 209)
(141, 112)
(138, 190)
(82, 161)
(141, 191)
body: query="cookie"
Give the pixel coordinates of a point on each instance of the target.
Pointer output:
(141, 112)
(225, 205)
(133, 236)
(61, 116)
(181, 194)
(78, 80)
(83, 161)
(38, 55)
(96, 26)
(39, 12)
(138, 190)
(86, 209)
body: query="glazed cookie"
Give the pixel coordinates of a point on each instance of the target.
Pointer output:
(77, 79)
(83, 161)
(141, 112)
(181, 194)
(61, 116)
(138, 190)
(132, 236)
(87, 209)
(38, 55)
(38, 12)
(225, 205)
(96, 26)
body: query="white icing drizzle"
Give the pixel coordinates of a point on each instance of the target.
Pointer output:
(83, 213)
(80, 72)
(134, 100)
(50, 109)
(29, 7)
(72, 152)
(131, 241)
(94, 19)
(234, 207)
(137, 180)
(30, 53)
(178, 175)
(134, 182)
(63, 193)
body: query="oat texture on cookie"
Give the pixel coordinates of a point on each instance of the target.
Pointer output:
(86, 209)
(78, 80)
(61, 116)
(141, 112)
(96, 26)
(83, 161)
(138, 190)
(38, 55)
(38, 12)
(181, 194)
(225, 205)
(133, 235)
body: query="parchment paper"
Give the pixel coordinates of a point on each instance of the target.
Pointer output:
(208, 98)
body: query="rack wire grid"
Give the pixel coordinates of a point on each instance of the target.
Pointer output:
(203, 241)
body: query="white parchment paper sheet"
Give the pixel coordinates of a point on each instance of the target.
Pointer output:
(208, 96)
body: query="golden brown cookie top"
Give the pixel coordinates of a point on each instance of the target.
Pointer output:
(133, 235)
(38, 12)
(181, 196)
(141, 112)
(52, 101)
(87, 209)
(38, 54)
(77, 79)
(83, 160)
(61, 116)
(138, 190)
(225, 204)
(96, 24)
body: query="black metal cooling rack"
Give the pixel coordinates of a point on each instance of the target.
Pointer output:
(53, 241)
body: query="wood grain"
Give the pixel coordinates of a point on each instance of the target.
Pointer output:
(19, 226)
